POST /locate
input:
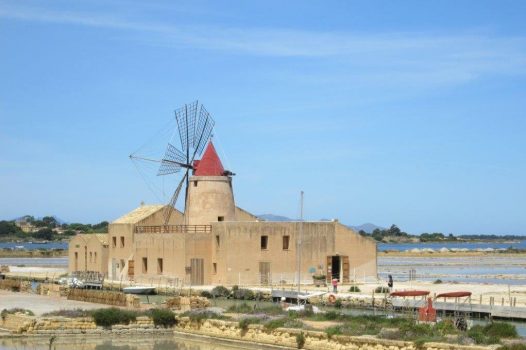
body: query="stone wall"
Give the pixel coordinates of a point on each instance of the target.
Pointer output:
(51, 289)
(313, 340)
(57, 325)
(104, 297)
(228, 330)
(15, 285)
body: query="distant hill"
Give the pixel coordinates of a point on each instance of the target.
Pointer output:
(272, 217)
(367, 227)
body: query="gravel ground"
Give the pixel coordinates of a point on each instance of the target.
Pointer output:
(40, 304)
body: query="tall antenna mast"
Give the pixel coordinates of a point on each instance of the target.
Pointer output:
(300, 242)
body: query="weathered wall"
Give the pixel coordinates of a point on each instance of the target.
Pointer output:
(152, 246)
(104, 297)
(320, 239)
(210, 197)
(97, 254)
(77, 253)
(361, 250)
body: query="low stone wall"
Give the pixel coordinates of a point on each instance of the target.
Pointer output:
(51, 289)
(17, 323)
(104, 297)
(15, 285)
(187, 303)
(57, 325)
(313, 340)
(228, 330)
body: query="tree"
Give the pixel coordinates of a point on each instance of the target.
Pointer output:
(8, 228)
(44, 233)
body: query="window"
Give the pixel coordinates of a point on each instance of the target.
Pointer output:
(144, 265)
(195, 183)
(220, 218)
(122, 241)
(217, 241)
(90, 256)
(95, 257)
(114, 241)
(122, 264)
(159, 266)
(264, 242)
(286, 240)
(214, 265)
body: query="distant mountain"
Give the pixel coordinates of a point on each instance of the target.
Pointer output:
(367, 227)
(272, 217)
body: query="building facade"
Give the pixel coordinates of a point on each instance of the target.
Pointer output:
(216, 242)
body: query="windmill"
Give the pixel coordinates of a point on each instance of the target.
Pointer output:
(194, 125)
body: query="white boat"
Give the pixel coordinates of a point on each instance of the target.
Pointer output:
(138, 290)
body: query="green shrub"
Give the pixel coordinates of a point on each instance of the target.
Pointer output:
(331, 315)
(109, 317)
(501, 330)
(163, 317)
(75, 313)
(276, 323)
(243, 323)
(338, 304)
(446, 327)
(478, 334)
(15, 310)
(354, 289)
(242, 308)
(206, 294)
(437, 281)
(200, 316)
(381, 289)
(220, 291)
(300, 340)
(332, 331)
(243, 294)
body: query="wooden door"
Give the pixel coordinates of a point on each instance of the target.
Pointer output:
(328, 275)
(345, 269)
(197, 275)
(131, 268)
(264, 273)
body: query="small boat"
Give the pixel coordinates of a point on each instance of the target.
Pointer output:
(138, 290)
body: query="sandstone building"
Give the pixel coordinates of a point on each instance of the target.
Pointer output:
(216, 242)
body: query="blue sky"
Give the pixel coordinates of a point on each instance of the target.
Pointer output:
(406, 112)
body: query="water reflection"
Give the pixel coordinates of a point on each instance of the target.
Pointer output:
(155, 342)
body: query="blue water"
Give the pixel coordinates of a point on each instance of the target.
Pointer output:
(34, 246)
(381, 246)
(449, 245)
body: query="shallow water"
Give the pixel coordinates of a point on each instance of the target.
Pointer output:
(123, 343)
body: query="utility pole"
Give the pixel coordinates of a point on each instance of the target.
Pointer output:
(300, 241)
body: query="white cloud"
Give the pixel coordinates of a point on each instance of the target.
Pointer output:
(413, 58)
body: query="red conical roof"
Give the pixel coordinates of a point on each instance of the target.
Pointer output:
(210, 164)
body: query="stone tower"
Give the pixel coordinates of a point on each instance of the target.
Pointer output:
(210, 194)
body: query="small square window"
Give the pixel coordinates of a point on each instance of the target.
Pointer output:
(195, 183)
(286, 240)
(114, 242)
(264, 242)
(220, 218)
(214, 265)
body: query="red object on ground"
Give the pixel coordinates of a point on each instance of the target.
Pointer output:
(427, 313)
(410, 293)
(453, 295)
(210, 164)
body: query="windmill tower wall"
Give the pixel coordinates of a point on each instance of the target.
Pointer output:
(210, 199)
